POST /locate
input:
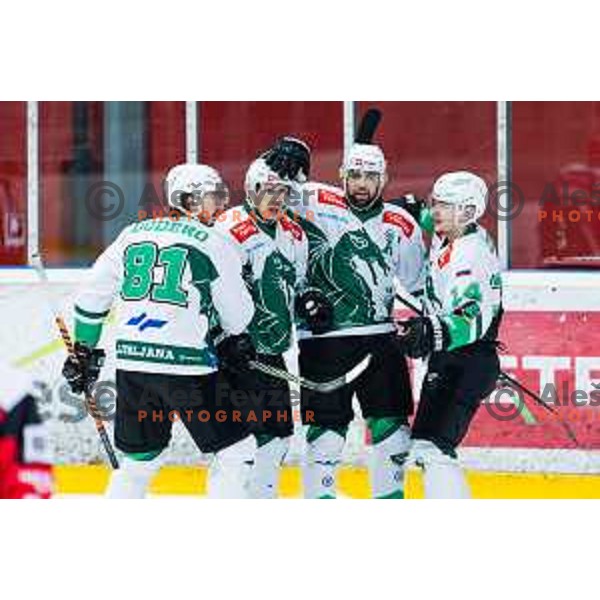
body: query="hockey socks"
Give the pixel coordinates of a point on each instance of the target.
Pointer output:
(322, 459)
(442, 474)
(268, 458)
(229, 473)
(391, 444)
(131, 480)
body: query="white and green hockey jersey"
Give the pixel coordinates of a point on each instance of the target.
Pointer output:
(355, 258)
(171, 282)
(274, 256)
(464, 286)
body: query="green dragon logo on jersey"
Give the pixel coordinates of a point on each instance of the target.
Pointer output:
(347, 273)
(203, 274)
(273, 296)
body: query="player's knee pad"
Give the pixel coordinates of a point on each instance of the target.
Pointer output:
(390, 440)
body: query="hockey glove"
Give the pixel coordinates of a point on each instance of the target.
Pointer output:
(316, 310)
(420, 336)
(290, 159)
(235, 352)
(83, 369)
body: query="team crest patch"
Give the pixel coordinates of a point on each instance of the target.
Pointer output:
(288, 225)
(444, 259)
(394, 218)
(242, 231)
(331, 198)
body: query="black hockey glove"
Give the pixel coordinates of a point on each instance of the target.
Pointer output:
(411, 204)
(290, 159)
(235, 352)
(83, 369)
(315, 308)
(420, 336)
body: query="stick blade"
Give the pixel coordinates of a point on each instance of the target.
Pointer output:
(367, 126)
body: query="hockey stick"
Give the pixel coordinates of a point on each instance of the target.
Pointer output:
(38, 265)
(318, 386)
(367, 126)
(512, 381)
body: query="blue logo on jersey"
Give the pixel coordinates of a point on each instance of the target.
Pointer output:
(141, 322)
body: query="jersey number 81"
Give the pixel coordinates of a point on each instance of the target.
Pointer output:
(140, 262)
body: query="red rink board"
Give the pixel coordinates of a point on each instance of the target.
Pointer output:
(547, 347)
(561, 348)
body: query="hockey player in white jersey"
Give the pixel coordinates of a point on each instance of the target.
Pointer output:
(172, 281)
(458, 332)
(358, 246)
(274, 252)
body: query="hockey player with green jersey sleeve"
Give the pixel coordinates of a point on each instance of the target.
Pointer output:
(359, 247)
(457, 333)
(171, 281)
(273, 249)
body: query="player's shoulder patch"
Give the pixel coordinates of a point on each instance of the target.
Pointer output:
(288, 224)
(244, 230)
(444, 258)
(331, 196)
(396, 218)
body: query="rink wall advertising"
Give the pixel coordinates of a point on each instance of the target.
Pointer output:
(553, 354)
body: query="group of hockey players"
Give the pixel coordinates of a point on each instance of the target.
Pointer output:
(206, 298)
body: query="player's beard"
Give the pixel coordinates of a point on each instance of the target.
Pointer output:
(363, 204)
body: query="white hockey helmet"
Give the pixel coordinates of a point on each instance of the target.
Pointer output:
(364, 157)
(195, 179)
(258, 175)
(462, 189)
